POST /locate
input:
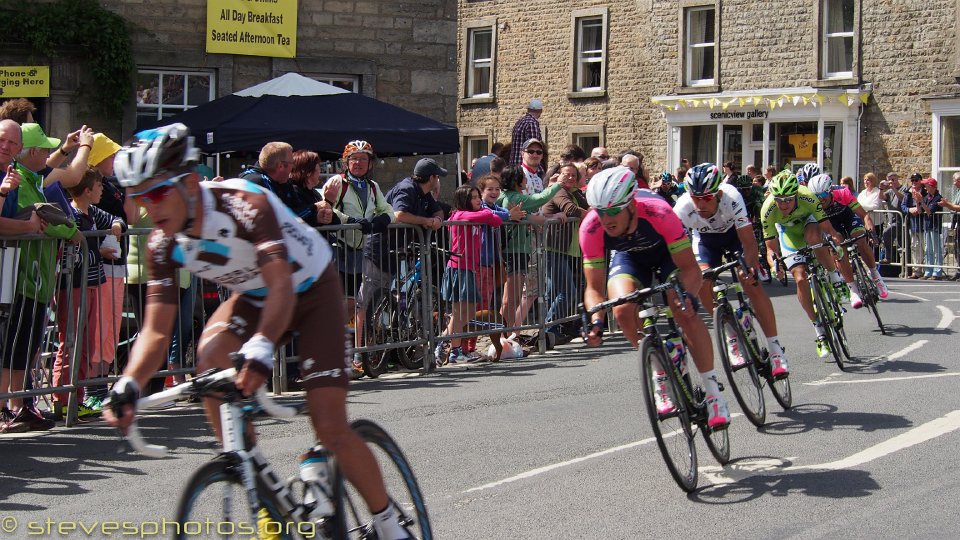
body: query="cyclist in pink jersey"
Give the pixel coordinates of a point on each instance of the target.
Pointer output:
(645, 238)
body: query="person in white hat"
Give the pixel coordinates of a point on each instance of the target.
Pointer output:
(526, 128)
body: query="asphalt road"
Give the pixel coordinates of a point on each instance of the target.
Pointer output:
(558, 446)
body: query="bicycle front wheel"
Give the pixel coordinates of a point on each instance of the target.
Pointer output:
(757, 341)
(671, 427)
(826, 314)
(868, 291)
(401, 484)
(214, 504)
(739, 364)
(379, 331)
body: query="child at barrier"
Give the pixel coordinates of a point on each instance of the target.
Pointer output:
(491, 273)
(460, 276)
(88, 218)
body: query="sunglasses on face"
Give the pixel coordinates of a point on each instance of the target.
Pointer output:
(534, 152)
(612, 211)
(158, 193)
(706, 197)
(784, 200)
(823, 195)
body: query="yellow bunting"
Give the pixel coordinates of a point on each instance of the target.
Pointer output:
(842, 98)
(757, 100)
(864, 97)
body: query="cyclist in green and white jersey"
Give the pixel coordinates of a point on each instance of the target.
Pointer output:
(802, 222)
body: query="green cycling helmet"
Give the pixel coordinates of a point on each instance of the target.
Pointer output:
(784, 184)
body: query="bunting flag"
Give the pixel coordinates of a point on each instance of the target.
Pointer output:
(724, 102)
(742, 102)
(757, 100)
(773, 104)
(806, 100)
(796, 100)
(819, 98)
(864, 97)
(842, 98)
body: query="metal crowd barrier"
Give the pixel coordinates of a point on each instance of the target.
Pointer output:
(930, 248)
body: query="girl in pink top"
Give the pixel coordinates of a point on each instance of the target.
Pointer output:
(460, 277)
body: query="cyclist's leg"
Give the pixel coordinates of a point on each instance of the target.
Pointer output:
(811, 235)
(709, 253)
(624, 278)
(791, 241)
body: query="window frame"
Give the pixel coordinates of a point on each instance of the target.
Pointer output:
(468, 30)
(474, 63)
(825, 38)
(840, 78)
(578, 61)
(159, 107)
(578, 132)
(468, 135)
(940, 109)
(686, 77)
(333, 78)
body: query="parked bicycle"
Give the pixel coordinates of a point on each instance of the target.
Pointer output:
(676, 428)
(869, 292)
(743, 346)
(826, 302)
(241, 495)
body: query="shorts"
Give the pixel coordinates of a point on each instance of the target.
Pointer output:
(24, 333)
(531, 282)
(318, 321)
(375, 280)
(459, 285)
(516, 263)
(848, 224)
(641, 266)
(710, 247)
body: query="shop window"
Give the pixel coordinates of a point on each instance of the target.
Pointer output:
(698, 144)
(700, 54)
(350, 83)
(162, 94)
(949, 154)
(837, 43)
(590, 53)
(479, 62)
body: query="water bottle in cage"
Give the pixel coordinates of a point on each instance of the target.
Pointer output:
(315, 474)
(674, 345)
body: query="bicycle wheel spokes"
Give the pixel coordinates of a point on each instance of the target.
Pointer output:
(780, 388)
(214, 498)
(739, 365)
(718, 442)
(672, 427)
(401, 484)
(826, 315)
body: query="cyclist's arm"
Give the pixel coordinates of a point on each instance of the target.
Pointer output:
(277, 309)
(595, 283)
(691, 277)
(749, 242)
(865, 216)
(773, 250)
(826, 228)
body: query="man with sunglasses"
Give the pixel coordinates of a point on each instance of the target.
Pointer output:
(279, 269)
(849, 219)
(715, 214)
(645, 239)
(801, 222)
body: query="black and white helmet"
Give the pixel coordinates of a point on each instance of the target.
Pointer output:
(167, 149)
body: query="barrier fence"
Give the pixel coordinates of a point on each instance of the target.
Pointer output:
(407, 289)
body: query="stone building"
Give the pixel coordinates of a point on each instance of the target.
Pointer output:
(402, 52)
(854, 85)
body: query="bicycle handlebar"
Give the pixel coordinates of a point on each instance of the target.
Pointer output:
(713, 273)
(635, 297)
(849, 241)
(206, 382)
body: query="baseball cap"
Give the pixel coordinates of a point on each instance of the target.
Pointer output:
(103, 147)
(535, 105)
(427, 167)
(916, 177)
(532, 141)
(929, 181)
(34, 137)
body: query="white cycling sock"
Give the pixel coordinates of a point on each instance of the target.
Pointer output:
(835, 277)
(710, 384)
(875, 273)
(387, 526)
(819, 328)
(773, 346)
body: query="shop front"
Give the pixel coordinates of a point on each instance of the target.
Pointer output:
(785, 127)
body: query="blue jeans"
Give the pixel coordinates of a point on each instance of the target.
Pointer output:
(933, 252)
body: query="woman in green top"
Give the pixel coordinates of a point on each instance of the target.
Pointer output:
(517, 250)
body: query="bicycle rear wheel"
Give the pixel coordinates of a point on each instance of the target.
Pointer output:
(757, 341)
(825, 315)
(743, 378)
(401, 484)
(672, 429)
(868, 290)
(379, 331)
(214, 504)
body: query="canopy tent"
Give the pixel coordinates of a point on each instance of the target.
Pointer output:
(312, 115)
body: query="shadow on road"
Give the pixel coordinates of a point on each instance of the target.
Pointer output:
(824, 417)
(840, 484)
(881, 367)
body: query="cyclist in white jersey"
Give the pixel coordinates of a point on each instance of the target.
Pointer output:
(716, 216)
(243, 237)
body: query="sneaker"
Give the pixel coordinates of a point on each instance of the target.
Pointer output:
(733, 351)
(823, 349)
(438, 354)
(718, 414)
(855, 300)
(94, 403)
(763, 274)
(456, 355)
(31, 417)
(356, 369)
(661, 396)
(778, 365)
(83, 411)
(8, 423)
(882, 287)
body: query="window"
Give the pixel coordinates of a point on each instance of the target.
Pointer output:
(699, 143)
(586, 141)
(949, 153)
(480, 62)
(837, 44)
(700, 55)
(347, 82)
(590, 54)
(162, 94)
(476, 147)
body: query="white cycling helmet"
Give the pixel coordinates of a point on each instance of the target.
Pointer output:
(820, 184)
(611, 188)
(807, 172)
(167, 149)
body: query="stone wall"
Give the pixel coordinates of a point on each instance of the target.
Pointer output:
(907, 51)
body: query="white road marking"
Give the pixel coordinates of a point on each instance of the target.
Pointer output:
(883, 358)
(909, 295)
(946, 317)
(743, 469)
(885, 379)
(540, 470)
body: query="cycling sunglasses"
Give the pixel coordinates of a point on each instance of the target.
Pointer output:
(706, 197)
(612, 211)
(823, 195)
(158, 192)
(785, 200)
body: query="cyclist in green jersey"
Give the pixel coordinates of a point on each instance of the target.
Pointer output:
(801, 221)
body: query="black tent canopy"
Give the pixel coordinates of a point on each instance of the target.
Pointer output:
(312, 115)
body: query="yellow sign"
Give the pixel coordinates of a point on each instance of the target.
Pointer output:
(252, 27)
(24, 81)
